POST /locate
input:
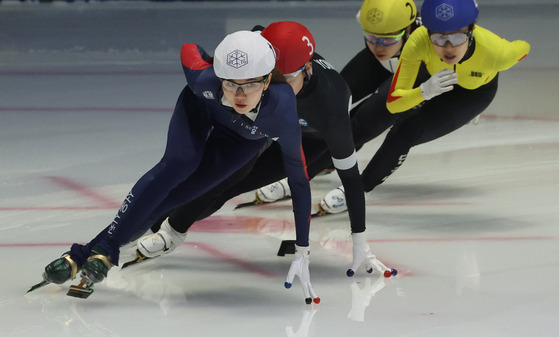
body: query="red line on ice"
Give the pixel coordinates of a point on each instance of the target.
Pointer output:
(84, 190)
(231, 259)
(205, 247)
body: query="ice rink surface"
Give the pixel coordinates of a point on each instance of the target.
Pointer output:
(470, 221)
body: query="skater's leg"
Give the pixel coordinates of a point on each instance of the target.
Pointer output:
(185, 145)
(434, 119)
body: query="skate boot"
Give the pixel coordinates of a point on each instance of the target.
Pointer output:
(277, 191)
(162, 242)
(332, 203)
(61, 270)
(95, 269)
(274, 192)
(58, 271)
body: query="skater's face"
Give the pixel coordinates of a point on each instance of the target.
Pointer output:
(451, 46)
(245, 94)
(385, 46)
(296, 79)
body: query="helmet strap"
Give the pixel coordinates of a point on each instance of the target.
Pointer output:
(471, 48)
(307, 76)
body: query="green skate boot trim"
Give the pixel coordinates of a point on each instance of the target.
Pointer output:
(97, 266)
(61, 270)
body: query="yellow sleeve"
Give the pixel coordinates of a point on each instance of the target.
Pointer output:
(514, 52)
(492, 54)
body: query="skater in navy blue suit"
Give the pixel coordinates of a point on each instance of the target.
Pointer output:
(232, 108)
(323, 99)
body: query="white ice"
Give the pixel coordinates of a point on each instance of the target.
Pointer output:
(470, 221)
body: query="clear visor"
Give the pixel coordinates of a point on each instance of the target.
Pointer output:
(455, 39)
(384, 40)
(247, 88)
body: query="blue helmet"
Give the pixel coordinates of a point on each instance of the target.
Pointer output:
(448, 15)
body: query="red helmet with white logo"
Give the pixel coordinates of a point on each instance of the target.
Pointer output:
(293, 43)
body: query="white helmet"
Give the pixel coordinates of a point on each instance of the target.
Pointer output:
(242, 55)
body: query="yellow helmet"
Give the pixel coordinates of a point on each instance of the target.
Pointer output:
(387, 16)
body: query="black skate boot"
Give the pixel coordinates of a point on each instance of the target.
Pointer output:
(61, 270)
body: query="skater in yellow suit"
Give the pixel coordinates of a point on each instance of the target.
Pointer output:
(463, 62)
(492, 54)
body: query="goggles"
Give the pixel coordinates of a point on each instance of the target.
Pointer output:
(247, 88)
(455, 39)
(291, 76)
(384, 40)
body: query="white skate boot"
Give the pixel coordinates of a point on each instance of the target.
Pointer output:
(273, 192)
(162, 242)
(333, 202)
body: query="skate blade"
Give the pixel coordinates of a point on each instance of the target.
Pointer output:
(258, 202)
(82, 290)
(320, 212)
(139, 258)
(38, 285)
(248, 204)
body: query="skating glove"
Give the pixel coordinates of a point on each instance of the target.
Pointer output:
(300, 267)
(441, 82)
(362, 254)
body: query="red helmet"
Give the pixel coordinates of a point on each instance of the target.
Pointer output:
(293, 43)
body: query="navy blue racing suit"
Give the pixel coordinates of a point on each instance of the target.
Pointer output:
(322, 105)
(207, 142)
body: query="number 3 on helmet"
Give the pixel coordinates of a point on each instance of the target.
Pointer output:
(293, 43)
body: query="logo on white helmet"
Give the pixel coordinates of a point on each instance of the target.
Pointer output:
(444, 12)
(237, 59)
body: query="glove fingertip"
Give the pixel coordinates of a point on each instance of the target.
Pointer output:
(287, 285)
(350, 273)
(370, 270)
